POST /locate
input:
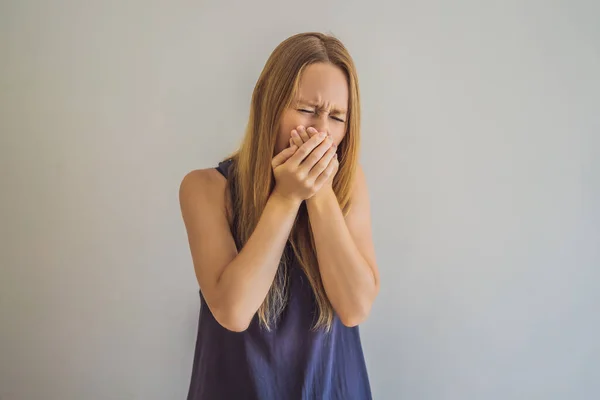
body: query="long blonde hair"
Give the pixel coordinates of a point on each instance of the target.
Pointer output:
(251, 178)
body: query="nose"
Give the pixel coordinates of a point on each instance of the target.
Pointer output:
(322, 123)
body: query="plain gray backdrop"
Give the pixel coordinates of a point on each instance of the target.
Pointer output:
(481, 145)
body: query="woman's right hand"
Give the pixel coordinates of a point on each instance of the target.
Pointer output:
(301, 171)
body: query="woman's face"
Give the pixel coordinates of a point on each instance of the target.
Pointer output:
(321, 102)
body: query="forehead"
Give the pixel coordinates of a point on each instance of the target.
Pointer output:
(323, 83)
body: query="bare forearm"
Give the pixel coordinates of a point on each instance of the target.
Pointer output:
(347, 277)
(246, 281)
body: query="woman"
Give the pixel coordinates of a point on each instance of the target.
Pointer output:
(280, 238)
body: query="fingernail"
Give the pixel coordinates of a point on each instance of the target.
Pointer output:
(294, 133)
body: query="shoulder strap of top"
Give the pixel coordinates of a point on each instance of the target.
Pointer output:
(223, 167)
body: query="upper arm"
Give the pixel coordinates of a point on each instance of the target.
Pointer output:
(358, 221)
(202, 201)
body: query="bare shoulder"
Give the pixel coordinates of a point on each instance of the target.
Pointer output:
(202, 195)
(206, 186)
(203, 200)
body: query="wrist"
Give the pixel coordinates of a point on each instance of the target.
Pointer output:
(286, 202)
(323, 195)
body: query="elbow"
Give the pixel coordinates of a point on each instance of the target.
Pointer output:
(358, 313)
(356, 316)
(230, 312)
(232, 320)
(351, 322)
(237, 326)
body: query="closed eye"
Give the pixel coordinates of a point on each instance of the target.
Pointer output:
(304, 110)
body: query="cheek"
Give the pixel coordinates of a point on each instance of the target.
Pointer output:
(338, 134)
(283, 141)
(290, 121)
(293, 120)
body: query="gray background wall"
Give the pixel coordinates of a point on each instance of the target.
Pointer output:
(481, 146)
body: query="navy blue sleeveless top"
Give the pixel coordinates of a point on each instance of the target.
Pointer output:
(290, 362)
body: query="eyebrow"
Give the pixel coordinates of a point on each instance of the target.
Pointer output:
(314, 104)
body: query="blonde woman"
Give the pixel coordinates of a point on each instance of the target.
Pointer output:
(280, 238)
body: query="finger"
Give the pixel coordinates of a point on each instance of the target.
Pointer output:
(328, 173)
(306, 149)
(296, 139)
(303, 134)
(322, 164)
(311, 131)
(283, 156)
(316, 155)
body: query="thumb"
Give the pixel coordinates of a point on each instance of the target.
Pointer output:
(283, 156)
